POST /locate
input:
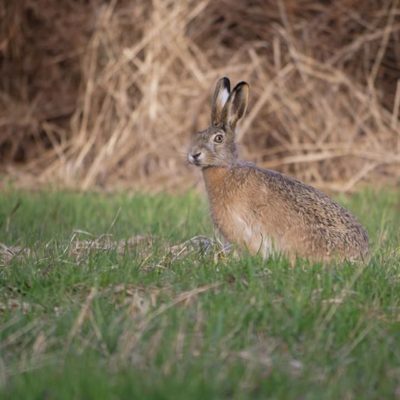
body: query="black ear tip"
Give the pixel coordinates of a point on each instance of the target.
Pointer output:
(240, 85)
(225, 83)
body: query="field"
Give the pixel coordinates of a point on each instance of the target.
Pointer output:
(110, 295)
(102, 297)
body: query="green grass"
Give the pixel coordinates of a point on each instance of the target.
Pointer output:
(107, 324)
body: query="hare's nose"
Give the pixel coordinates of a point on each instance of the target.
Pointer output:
(196, 156)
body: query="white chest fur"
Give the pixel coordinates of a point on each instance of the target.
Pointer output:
(247, 232)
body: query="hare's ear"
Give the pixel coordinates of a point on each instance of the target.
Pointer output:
(237, 104)
(221, 95)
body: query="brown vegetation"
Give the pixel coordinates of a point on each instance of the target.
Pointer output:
(105, 93)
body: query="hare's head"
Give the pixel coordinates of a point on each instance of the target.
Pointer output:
(216, 146)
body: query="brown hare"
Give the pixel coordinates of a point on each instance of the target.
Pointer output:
(262, 210)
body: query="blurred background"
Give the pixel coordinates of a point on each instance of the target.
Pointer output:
(105, 94)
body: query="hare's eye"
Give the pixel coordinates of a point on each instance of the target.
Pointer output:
(218, 138)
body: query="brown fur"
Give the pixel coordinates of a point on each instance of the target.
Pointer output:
(265, 211)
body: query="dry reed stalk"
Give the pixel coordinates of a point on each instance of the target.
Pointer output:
(106, 94)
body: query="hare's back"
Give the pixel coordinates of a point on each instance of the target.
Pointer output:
(301, 199)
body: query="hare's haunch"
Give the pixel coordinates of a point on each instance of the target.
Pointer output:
(263, 210)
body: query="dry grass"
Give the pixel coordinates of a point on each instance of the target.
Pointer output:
(95, 95)
(80, 249)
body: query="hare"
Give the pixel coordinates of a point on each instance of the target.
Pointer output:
(264, 211)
